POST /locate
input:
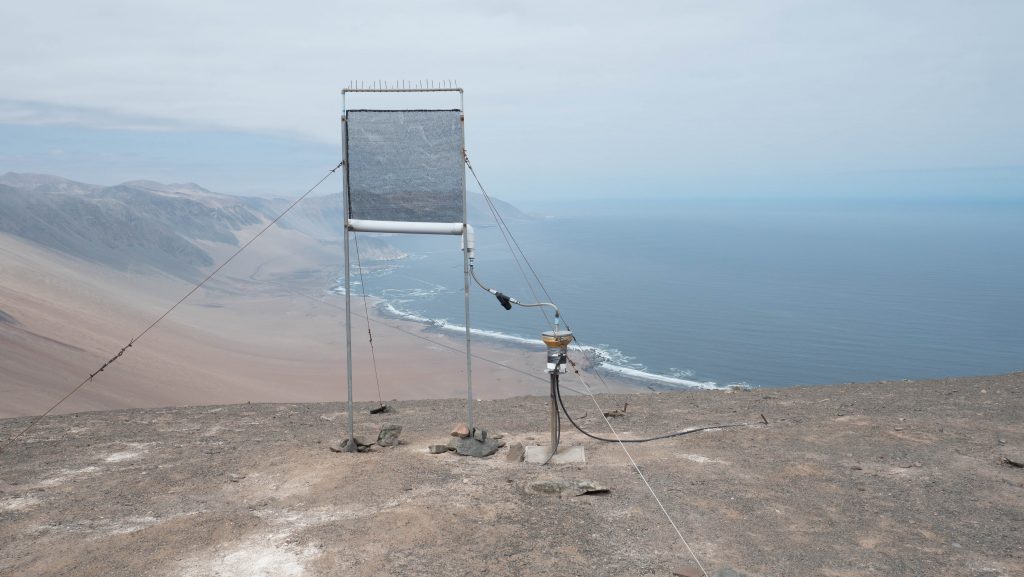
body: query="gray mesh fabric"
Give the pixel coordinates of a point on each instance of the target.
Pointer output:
(405, 165)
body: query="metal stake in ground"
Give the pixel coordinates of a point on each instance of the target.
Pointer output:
(557, 343)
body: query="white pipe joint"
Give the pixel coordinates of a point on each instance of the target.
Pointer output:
(469, 242)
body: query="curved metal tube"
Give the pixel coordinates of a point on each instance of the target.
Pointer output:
(512, 300)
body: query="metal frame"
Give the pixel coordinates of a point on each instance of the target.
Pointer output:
(355, 225)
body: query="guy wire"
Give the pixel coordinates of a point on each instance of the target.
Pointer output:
(637, 468)
(506, 233)
(503, 227)
(501, 222)
(366, 308)
(199, 285)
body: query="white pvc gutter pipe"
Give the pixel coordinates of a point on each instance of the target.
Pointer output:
(405, 227)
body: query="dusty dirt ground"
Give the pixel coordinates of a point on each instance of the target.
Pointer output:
(900, 478)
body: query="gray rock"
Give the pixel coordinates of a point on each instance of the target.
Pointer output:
(480, 435)
(388, 436)
(539, 455)
(343, 446)
(516, 453)
(438, 449)
(565, 487)
(470, 447)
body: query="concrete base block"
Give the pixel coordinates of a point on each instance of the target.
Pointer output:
(565, 455)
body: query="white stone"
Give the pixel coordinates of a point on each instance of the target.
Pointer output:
(565, 456)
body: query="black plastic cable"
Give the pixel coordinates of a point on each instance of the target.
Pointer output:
(558, 395)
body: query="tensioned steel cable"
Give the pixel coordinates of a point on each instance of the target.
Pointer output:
(590, 392)
(199, 285)
(642, 476)
(366, 308)
(506, 233)
(558, 314)
(510, 240)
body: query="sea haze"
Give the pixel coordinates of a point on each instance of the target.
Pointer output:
(765, 293)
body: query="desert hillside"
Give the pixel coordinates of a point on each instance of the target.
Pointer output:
(85, 268)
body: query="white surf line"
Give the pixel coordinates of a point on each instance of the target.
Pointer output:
(600, 411)
(414, 334)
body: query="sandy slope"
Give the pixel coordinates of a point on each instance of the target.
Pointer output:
(258, 333)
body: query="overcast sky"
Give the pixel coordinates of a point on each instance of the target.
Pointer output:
(582, 98)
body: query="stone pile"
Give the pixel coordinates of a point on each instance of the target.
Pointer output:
(387, 437)
(470, 442)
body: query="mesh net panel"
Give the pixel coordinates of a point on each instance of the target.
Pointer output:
(405, 165)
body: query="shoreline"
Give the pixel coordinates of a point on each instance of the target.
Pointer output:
(630, 377)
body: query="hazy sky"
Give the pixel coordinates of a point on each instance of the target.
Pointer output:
(583, 98)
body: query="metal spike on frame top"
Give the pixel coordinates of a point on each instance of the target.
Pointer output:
(380, 85)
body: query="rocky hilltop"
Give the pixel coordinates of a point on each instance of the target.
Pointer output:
(894, 479)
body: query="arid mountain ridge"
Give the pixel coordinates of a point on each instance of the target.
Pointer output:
(143, 224)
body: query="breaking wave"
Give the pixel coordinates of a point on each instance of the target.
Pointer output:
(602, 356)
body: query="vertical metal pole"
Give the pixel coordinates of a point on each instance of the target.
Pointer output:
(465, 280)
(469, 354)
(554, 413)
(348, 346)
(351, 446)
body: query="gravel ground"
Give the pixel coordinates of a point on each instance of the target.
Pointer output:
(899, 478)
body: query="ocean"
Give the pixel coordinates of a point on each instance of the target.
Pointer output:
(763, 293)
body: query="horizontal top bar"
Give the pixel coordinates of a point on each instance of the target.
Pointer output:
(345, 90)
